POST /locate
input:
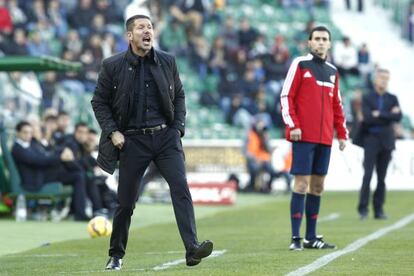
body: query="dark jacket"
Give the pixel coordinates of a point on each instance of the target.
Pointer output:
(381, 126)
(114, 95)
(33, 163)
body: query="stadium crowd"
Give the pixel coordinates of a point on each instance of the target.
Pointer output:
(250, 69)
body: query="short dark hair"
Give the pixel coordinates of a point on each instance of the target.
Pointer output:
(319, 29)
(92, 131)
(81, 124)
(130, 21)
(20, 125)
(63, 113)
(382, 70)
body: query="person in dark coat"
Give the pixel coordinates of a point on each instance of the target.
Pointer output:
(139, 103)
(380, 111)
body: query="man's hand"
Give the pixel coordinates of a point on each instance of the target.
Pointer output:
(118, 139)
(375, 113)
(395, 110)
(67, 155)
(342, 144)
(296, 134)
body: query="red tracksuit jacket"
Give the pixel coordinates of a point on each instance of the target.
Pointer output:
(311, 101)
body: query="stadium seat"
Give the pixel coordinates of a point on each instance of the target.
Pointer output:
(53, 191)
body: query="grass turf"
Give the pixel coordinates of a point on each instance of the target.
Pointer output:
(254, 233)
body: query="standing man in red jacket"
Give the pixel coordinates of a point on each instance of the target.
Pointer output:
(311, 109)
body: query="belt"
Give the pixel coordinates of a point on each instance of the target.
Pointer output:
(147, 130)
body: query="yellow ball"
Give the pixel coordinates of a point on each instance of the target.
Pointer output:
(99, 227)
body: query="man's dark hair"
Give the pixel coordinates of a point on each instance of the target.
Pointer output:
(130, 21)
(92, 131)
(81, 124)
(20, 125)
(382, 70)
(50, 117)
(319, 29)
(63, 113)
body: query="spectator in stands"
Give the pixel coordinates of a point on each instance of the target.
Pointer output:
(345, 57)
(230, 36)
(276, 67)
(57, 17)
(48, 85)
(73, 42)
(81, 17)
(18, 16)
(198, 52)
(364, 62)
(190, 13)
(61, 132)
(247, 35)
(217, 60)
(360, 5)
(6, 23)
(18, 47)
(258, 156)
(49, 127)
(37, 46)
(410, 22)
(37, 166)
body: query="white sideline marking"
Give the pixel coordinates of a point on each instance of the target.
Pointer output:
(180, 261)
(329, 217)
(324, 260)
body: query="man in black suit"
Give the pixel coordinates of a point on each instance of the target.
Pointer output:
(139, 103)
(38, 166)
(380, 111)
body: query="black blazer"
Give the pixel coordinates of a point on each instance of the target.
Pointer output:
(114, 95)
(33, 163)
(383, 123)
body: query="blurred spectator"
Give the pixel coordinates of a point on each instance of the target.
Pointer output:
(346, 57)
(364, 62)
(258, 156)
(57, 16)
(247, 35)
(198, 51)
(89, 70)
(38, 166)
(81, 17)
(108, 45)
(217, 58)
(18, 17)
(276, 67)
(109, 11)
(190, 13)
(37, 46)
(410, 22)
(73, 43)
(6, 23)
(48, 86)
(18, 46)
(360, 5)
(229, 34)
(60, 135)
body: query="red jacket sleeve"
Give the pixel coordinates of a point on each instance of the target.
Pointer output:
(287, 96)
(339, 118)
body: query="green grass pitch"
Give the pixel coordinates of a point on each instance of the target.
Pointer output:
(253, 234)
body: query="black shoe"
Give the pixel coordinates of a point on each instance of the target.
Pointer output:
(114, 263)
(296, 244)
(363, 215)
(381, 216)
(197, 252)
(317, 243)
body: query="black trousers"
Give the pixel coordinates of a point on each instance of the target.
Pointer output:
(71, 175)
(375, 155)
(165, 149)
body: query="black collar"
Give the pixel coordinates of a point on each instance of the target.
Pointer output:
(318, 59)
(134, 59)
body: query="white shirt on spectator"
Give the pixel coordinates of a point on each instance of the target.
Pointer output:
(345, 56)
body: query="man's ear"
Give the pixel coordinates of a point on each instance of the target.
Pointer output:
(129, 35)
